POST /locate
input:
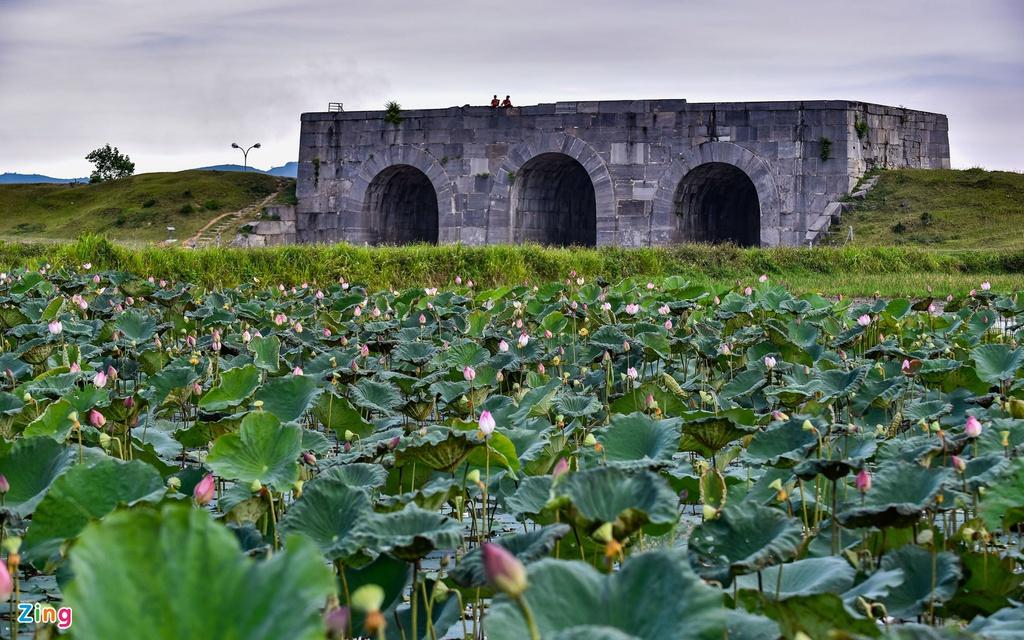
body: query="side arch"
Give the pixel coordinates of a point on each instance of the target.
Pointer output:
(500, 217)
(357, 224)
(666, 226)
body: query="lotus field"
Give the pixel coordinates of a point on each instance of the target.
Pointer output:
(574, 460)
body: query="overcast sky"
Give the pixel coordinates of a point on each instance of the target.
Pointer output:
(173, 83)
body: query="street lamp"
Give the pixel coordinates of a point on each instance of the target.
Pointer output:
(245, 153)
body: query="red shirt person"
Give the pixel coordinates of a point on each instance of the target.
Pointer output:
(495, 102)
(506, 102)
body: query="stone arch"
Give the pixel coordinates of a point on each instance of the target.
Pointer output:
(710, 182)
(552, 163)
(390, 196)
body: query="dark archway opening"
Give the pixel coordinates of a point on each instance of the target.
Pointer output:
(717, 202)
(554, 202)
(401, 207)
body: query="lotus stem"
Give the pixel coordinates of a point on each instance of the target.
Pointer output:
(531, 624)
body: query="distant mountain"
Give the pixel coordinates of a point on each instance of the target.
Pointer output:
(287, 170)
(35, 178)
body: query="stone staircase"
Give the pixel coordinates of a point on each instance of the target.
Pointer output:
(221, 230)
(820, 227)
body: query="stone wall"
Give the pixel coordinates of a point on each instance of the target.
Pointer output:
(275, 226)
(604, 173)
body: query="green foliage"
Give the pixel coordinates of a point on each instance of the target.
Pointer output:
(393, 113)
(861, 127)
(110, 164)
(826, 148)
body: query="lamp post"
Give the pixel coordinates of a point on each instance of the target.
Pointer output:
(245, 153)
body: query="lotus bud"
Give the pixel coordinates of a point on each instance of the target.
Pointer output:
(500, 377)
(309, 458)
(255, 486)
(174, 483)
(863, 481)
(100, 379)
(650, 401)
(958, 464)
(769, 362)
(625, 346)
(540, 368)
(5, 485)
(561, 468)
(503, 570)
(96, 419)
(6, 582)
(973, 427)
(779, 415)
(204, 490)
(393, 442)
(487, 423)
(336, 620)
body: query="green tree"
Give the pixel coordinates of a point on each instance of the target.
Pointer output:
(110, 163)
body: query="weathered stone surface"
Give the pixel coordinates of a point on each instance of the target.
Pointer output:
(629, 172)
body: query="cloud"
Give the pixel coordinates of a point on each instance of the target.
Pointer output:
(174, 83)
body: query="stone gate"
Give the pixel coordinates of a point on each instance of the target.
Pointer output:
(631, 173)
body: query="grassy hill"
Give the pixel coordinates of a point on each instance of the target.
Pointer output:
(137, 209)
(940, 209)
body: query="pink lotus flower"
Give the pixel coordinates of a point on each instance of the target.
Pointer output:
(100, 379)
(547, 334)
(668, 325)
(747, 291)
(763, 278)
(6, 583)
(190, 340)
(297, 327)
(958, 464)
(650, 402)
(458, 279)
(606, 306)
(204, 490)
(864, 320)
(358, 311)
(75, 367)
(423, 319)
(502, 346)
(364, 350)
(280, 319)
(863, 481)
(5, 485)
(336, 622)
(540, 368)
(561, 468)
(112, 373)
(632, 374)
(523, 340)
(985, 286)
(503, 570)
(319, 294)
(55, 327)
(469, 373)
(726, 350)
(246, 336)
(327, 332)
(650, 286)
(96, 279)
(96, 419)
(487, 423)
(632, 309)
(664, 310)
(297, 371)
(905, 367)
(769, 362)
(972, 428)
(718, 300)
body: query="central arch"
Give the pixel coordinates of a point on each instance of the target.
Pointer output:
(717, 202)
(554, 202)
(400, 207)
